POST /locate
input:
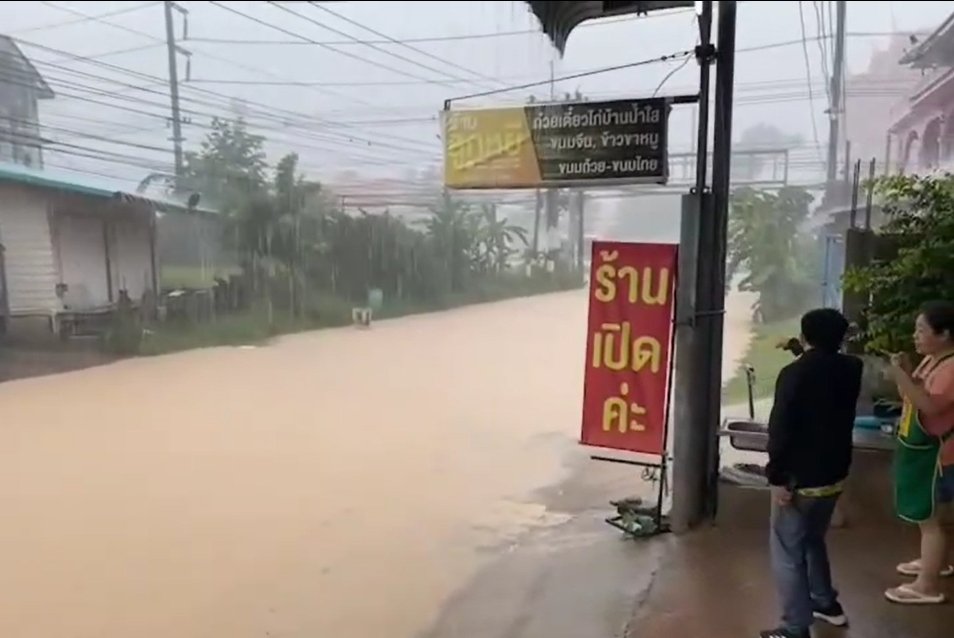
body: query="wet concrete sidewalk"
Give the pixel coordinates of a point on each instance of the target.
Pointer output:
(715, 582)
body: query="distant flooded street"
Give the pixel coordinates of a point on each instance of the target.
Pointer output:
(335, 483)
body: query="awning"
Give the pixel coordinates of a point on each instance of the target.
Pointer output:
(558, 19)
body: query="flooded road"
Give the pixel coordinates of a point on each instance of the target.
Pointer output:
(335, 483)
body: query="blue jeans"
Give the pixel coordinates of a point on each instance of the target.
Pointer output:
(800, 559)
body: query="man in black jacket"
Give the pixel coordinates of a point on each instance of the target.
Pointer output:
(810, 445)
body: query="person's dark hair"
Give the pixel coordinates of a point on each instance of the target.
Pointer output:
(940, 316)
(824, 329)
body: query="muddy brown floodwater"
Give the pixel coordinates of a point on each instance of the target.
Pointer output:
(336, 483)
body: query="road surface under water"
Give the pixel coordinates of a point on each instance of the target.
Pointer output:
(335, 483)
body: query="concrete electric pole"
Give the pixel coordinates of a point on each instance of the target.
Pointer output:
(836, 108)
(173, 50)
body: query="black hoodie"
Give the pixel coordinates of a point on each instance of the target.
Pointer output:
(812, 420)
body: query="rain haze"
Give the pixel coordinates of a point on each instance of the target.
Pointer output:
(275, 470)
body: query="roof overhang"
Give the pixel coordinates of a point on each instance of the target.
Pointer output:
(558, 19)
(45, 180)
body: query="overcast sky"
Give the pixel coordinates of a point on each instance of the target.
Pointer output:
(372, 108)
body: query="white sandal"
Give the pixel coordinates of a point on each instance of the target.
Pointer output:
(906, 595)
(913, 568)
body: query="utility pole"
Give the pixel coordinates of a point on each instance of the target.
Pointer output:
(836, 107)
(713, 316)
(550, 194)
(689, 436)
(552, 85)
(172, 49)
(701, 294)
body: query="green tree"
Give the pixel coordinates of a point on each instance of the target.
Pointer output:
(768, 247)
(297, 249)
(229, 166)
(918, 263)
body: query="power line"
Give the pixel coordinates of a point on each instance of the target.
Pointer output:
(875, 88)
(297, 137)
(822, 38)
(145, 89)
(808, 74)
(270, 111)
(304, 38)
(410, 47)
(82, 151)
(354, 124)
(96, 153)
(442, 38)
(73, 169)
(392, 40)
(452, 38)
(529, 85)
(85, 135)
(373, 159)
(227, 61)
(108, 14)
(365, 83)
(678, 68)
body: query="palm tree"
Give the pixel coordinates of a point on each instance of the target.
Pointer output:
(496, 238)
(454, 230)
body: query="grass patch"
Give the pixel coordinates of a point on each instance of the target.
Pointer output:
(192, 276)
(231, 330)
(765, 357)
(327, 311)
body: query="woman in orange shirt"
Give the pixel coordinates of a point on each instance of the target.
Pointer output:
(925, 462)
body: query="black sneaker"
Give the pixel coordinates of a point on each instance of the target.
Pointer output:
(781, 632)
(833, 615)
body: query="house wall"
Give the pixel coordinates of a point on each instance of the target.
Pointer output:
(130, 256)
(50, 238)
(923, 123)
(870, 100)
(87, 236)
(31, 273)
(81, 253)
(924, 134)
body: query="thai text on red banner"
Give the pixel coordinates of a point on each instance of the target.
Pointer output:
(629, 335)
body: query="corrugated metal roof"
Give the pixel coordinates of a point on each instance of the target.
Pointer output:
(558, 19)
(90, 186)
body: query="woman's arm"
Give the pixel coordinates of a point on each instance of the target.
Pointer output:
(930, 399)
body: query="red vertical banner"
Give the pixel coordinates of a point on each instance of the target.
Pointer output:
(629, 338)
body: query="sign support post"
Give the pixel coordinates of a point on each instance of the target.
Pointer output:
(629, 367)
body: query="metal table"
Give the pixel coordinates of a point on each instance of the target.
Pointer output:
(752, 436)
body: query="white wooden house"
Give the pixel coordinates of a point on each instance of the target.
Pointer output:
(71, 247)
(21, 89)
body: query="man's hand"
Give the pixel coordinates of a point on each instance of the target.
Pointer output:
(781, 495)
